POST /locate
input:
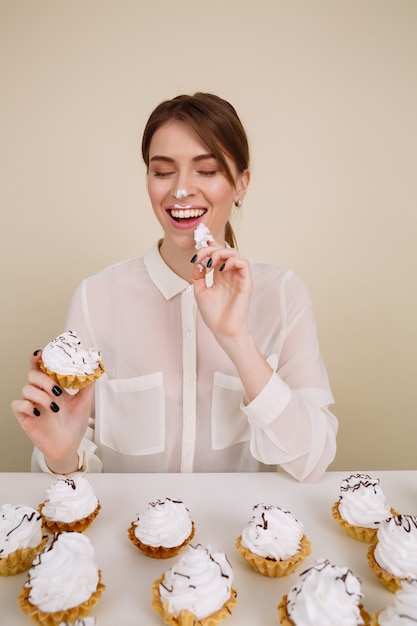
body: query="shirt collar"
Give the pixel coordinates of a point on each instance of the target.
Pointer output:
(165, 279)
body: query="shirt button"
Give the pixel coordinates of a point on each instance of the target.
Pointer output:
(190, 334)
(189, 288)
(190, 376)
(189, 418)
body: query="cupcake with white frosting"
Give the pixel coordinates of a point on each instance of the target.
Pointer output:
(71, 504)
(273, 542)
(198, 589)
(20, 538)
(64, 582)
(163, 529)
(69, 363)
(324, 595)
(393, 557)
(361, 507)
(404, 610)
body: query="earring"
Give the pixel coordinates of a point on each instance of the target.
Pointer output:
(238, 203)
(180, 193)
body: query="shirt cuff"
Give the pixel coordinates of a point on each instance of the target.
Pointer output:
(85, 454)
(269, 403)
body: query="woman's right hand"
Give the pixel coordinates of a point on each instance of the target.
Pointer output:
(54, 420)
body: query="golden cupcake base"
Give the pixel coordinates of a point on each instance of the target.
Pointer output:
(158, 552)
(70, 381)
(271, 567)
(56, 618)
(285, 620)
(55, 526)
(185, 618)
(20, 560)
(360, 533)
(390, 582)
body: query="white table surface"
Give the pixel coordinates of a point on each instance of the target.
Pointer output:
(220, 505)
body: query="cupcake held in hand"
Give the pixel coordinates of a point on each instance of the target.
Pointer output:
(361, 507)
(163, 529)
(324, 595)
(20, 538)
(71, 365)
(71, 504)
(196, 590)
(64, 582)
(273, 542)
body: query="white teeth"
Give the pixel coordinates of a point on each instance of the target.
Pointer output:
(183, 213)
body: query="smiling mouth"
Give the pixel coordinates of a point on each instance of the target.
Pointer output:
(186, 213)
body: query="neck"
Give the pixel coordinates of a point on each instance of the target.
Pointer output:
(179, 260)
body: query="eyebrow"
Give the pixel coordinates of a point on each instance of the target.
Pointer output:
(196, 159)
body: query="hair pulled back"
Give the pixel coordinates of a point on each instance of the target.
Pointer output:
(216, 123)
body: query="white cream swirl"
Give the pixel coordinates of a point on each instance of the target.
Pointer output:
(20, 527)
(272, 533)
(396, 548)
(325, 594)
(69, 499)
(201, 582)
(362, 501)
(64, 575)
(404, 611)
(66, 355)
(164, 523)
(202, 236)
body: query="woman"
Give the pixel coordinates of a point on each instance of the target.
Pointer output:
(212, 362)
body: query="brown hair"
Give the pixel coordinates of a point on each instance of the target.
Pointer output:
(216, 122)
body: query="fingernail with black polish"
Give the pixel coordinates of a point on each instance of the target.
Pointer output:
(54, 407)
(36, 353)
(56, 390)
(209, 262)
(36, 412)
(194, 259)
(222, 267)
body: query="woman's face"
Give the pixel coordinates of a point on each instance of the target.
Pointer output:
(179, 160)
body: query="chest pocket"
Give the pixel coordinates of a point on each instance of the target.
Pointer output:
(229, 424)
(131, 414)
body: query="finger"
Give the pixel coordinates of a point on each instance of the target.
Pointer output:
(34, 359)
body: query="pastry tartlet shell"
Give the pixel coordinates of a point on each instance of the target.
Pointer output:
(360, 533)
(390, 582)
(71, 381)
(158, 552)
(185, 618)
(21, 559)
(56, 526)
(68, 615)
(271, 567)
(285, 620)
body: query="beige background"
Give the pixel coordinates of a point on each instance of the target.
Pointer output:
(327, 91)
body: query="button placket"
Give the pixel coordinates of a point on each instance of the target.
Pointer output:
(189, 362)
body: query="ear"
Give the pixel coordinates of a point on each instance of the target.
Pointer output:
(242, 184)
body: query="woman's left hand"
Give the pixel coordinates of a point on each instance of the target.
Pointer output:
(224, 305)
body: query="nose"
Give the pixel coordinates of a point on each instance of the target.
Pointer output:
(184, 186)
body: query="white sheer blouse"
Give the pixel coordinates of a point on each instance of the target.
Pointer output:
(171, 401)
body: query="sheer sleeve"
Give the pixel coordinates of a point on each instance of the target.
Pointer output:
(291, 424)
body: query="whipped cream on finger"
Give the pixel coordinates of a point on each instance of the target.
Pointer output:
(202, 236)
